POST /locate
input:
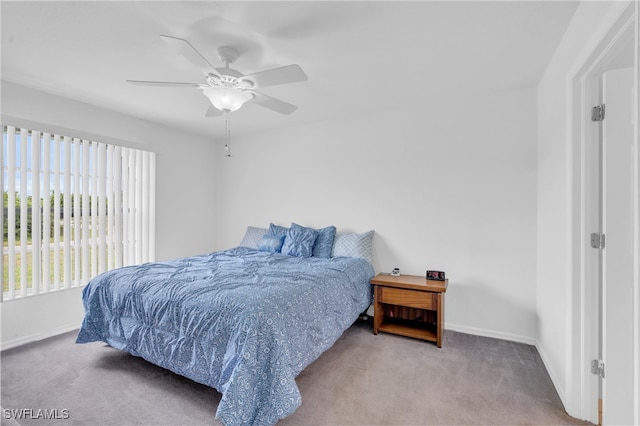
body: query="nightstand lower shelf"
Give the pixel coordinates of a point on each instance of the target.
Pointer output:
(410, 328)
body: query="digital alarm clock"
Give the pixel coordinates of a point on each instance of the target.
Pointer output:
(435, 275)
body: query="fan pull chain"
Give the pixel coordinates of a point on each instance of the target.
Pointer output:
(227, 145)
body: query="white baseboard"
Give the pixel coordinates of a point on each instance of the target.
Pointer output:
(23, 340)
(552, 374)
(515, 338)
(490, 333)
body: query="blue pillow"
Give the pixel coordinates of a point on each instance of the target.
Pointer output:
(299, 241)
(276, 230)
(271, 243)
(324, 242)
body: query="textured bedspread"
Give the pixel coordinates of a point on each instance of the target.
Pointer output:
(241, 321)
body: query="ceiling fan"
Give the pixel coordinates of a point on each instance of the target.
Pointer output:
(226, 88)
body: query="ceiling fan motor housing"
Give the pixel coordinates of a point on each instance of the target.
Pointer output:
(229, 78)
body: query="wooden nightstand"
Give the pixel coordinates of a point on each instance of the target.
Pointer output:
(410, 306)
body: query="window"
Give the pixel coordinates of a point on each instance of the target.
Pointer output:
(73, 208)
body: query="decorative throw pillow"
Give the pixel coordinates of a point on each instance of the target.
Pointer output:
(271, 243)
(277, 230)
(324, 242)
(252, 237)
(299, 241)
(354, 245)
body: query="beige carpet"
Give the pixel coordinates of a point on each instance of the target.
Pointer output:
(362, 380)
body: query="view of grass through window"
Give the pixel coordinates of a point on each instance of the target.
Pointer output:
(72, 208)
(46, 209)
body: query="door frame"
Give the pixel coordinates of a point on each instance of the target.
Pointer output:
(585, 92)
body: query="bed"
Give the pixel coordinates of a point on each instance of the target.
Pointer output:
(245, 321)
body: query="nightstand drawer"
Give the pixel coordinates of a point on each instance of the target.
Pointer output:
(410, 298)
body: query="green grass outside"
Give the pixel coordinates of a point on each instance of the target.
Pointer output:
(18, 265)
(18, 269)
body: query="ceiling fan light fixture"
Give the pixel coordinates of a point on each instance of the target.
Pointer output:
(227, 98)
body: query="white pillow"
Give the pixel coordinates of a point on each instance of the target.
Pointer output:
(252, 237)
(354, 245)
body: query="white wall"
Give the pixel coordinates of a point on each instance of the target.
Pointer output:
(559, 322)
(185, 219)
(448, 185)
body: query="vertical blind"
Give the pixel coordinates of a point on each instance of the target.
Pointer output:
(72, 209)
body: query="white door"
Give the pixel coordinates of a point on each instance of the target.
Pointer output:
(617, 260)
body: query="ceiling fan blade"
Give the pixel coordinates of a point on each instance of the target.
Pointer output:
(282, 75)
(165, 83)
(213, 112)
(273, 103)
(187, 50)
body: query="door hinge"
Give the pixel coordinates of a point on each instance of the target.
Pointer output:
(597, 113)
(597, 240)
(597, 367)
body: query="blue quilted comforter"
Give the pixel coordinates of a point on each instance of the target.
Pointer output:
(241, 321)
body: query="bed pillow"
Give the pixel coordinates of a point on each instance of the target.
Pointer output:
(324, 242)
(252, 237)
(277, 230)
(354, 245)
(299, 241)
(271, 243)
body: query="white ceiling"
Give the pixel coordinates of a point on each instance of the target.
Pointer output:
(360, 57)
